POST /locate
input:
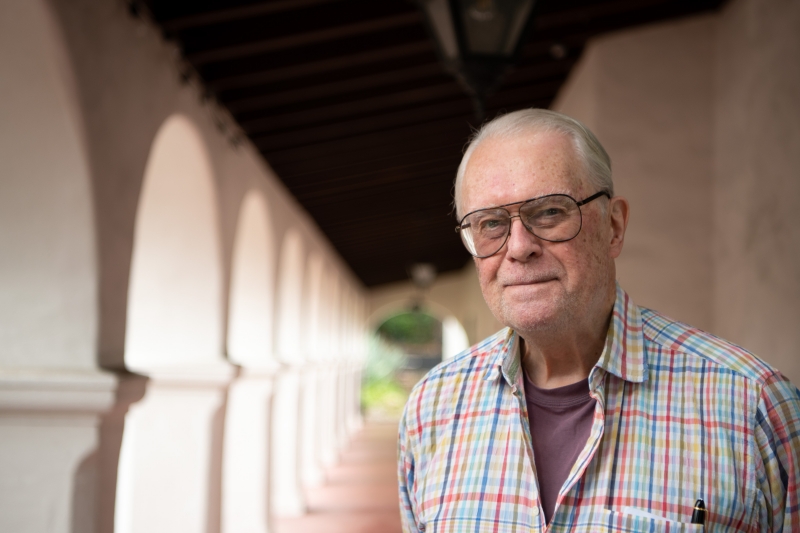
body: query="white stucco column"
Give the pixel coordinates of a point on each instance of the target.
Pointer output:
(170, 464)
(328, 451)
(311, 430)
(49, 437)
(287, 497)
(246, 453)
(172, 446)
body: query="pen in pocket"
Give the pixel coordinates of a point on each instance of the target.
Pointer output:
(699, 512)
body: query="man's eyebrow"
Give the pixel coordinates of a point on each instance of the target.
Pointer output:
(552, 191)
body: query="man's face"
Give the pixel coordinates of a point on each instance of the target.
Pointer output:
(530, 284)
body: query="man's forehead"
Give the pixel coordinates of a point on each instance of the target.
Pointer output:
(555, 190)
(514, 168)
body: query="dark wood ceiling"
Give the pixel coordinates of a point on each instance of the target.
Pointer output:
(347, 101)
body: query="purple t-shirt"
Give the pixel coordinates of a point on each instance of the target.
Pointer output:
(561, 421)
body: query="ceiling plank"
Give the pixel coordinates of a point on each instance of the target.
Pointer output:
(359, 107)
(230, 14)
(378, 144)
(299, 39)
(317, 67)
(267, 100)
(457, 107)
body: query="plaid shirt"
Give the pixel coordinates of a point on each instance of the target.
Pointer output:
(680, 415)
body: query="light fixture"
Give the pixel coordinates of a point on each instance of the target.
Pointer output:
(478, 40)
(422, 276)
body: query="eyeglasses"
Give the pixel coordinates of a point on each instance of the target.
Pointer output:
(554, 218)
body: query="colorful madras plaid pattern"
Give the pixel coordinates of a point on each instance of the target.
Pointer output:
(680, 415)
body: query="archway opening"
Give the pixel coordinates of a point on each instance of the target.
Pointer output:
(172, 437)
(174, 296)
(402, 349)
(250, 309)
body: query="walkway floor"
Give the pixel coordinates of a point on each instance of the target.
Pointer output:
(360, 493)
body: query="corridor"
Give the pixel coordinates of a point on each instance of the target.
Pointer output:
(359, 494)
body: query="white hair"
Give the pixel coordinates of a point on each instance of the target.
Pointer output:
(589, 150)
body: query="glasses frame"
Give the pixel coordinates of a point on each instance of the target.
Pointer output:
(580, 203)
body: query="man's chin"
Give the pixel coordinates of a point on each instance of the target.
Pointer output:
(533, 318)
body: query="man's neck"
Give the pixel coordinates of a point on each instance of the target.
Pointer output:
(557, 359)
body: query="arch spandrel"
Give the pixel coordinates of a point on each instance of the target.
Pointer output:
(48, 274)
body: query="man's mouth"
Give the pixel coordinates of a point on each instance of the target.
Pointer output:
(530, 281)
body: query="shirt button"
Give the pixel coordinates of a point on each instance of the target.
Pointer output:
(536, 511)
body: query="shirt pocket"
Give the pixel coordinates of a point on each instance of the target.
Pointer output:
(618, 521)
(448, 526)
(474, 525)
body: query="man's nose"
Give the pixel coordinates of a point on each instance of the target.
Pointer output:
(522, 244)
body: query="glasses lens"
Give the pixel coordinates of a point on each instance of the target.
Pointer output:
(552, 218)
(484, 232)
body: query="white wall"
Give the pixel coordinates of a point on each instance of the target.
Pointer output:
(701, 118)
(51, 393)
(48, 273)
(757, 179)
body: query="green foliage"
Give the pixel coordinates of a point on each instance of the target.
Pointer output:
(383, 360)
(380, 390)
(385, 396)
(411, 328)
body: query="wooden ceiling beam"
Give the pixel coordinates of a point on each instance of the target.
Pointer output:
(353, 166)
(358, 107)
(300, 39)
(590, 12)
(375, 146)
(357, 155)
(232, 14)
(397, 178)
(368, 57)
(442, 221)
(325, 90)
(454, 108)
(583, 14)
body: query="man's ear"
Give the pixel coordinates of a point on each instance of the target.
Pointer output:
(618, 209)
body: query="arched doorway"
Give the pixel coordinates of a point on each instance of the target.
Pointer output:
(250, 315)
(287, 495)
(406, 343)
(313, 345)
(172, 438)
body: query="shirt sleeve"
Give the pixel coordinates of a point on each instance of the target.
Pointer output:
(777, 435)
(405, 474)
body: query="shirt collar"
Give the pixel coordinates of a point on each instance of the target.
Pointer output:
(622, 356)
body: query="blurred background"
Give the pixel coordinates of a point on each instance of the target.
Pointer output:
(226, 232)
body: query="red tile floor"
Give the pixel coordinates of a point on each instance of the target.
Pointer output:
(360, 492)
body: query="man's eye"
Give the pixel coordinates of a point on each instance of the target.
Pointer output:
(490, 227)
(548, 216)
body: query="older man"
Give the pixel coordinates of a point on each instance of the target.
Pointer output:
(588, 413)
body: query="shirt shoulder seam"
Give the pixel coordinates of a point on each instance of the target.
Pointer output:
(761, 377)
